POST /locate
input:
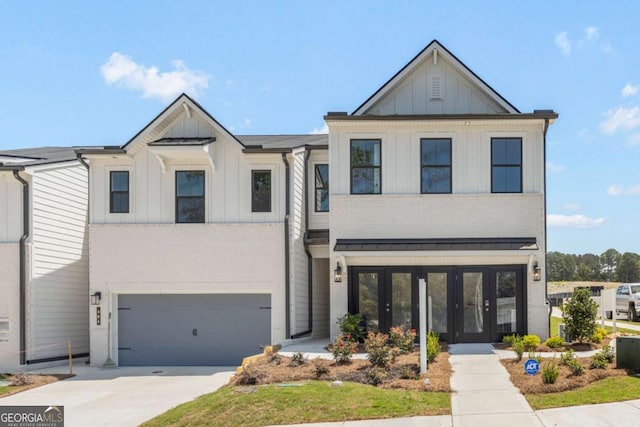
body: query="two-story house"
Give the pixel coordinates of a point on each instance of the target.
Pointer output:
(204, 245)
(44, 276)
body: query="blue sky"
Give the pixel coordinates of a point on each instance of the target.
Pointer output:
(94, 73)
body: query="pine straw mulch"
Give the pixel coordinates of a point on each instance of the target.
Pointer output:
(281, 369)
(22, 382)
(566, 380)
(575, 346)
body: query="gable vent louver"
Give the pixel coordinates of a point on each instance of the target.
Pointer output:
(436, 87)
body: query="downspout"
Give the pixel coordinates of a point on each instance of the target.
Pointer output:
(307, 154)
(86, 165)
(287, 291)
(23, 266)
(544, 178)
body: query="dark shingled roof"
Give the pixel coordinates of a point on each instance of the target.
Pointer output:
(471, 244)
(283, 141)
(40, 155)
(317, 237)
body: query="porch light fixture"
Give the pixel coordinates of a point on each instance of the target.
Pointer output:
(537, 272)
(337, 274)
(96, 298)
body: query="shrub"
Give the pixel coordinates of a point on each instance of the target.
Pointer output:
(554, 342)
(433, 345)
(535, 356)
(247, 376)
(508, 339)
(608, 352)
(402, 339)
(378, 349)
(297, 360)
(351, 327)
(320, 368)
(550, 372)
(409, 374)
(576, 367)
(598, 335)
(579, 315)
(272, 354)
(530, 342)
(518, 346)
(376, 376)
(567, 357)
(599, 361)
(343, 349)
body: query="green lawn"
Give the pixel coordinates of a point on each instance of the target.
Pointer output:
(613, 389)
(4, 390)
(315, 401)
(555, 321)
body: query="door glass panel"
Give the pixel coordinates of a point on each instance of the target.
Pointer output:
(437, 300)
(401, 300)
(472, 300)
(506, 301)
(368, 300)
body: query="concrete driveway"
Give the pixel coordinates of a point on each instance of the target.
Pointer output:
(125, 396)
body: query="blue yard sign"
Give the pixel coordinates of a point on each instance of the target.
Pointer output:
(531, 367)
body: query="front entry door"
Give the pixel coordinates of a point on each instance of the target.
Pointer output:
(399, 299)
(473, 306)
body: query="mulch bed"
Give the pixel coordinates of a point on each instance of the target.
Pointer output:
(22, 382)
(281, 369)
(575, 346)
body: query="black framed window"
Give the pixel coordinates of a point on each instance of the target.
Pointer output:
(119, 192)
(322, 188)
(261, 191)
(189, 196)
(506, 165)
(435, 155)
(366, 167)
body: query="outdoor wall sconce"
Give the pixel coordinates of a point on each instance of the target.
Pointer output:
(96, 298)
(537, 272)
(337, 274)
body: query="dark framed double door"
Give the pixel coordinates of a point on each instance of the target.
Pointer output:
(465, 304)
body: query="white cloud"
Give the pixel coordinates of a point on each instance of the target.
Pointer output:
(629, 90)
(122, 71)
(616, 190)
(319, 131)
(572, 206)
(552, 167)
(247, 122)
(563, 43)
(633, 140)
(573, 221)
(622, 118)
(591, 33)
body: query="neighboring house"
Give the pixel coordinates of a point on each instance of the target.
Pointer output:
(44, 276)
(205, 245)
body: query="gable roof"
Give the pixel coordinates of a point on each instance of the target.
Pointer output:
(434, 48)
(36, 156)
(162, 120)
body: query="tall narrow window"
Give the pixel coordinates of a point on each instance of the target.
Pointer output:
(436, 165)
(322, 188)
(189, 196)
(119, 192)
(506, 165)
(365, 166)
(261, 191)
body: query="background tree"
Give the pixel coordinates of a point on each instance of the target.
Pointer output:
(561, 267)
(589, 268)
(610, 260)
(628, 270)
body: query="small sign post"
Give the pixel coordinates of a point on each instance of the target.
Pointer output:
(422, 289)
(531, 367)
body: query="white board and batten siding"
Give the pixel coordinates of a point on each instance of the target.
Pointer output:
(58, 293)
(299, 274)
(10, 207)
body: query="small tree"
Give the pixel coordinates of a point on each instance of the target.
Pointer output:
(579, 314)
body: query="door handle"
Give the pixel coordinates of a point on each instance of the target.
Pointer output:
(194, 332)
(486, 305)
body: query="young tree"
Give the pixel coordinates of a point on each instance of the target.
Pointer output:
(579, 314)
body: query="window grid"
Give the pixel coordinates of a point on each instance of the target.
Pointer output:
(366, 154)
(322, 188)
(260, 191)
(189, 197)
(119, 192)
(439, 163)
(505, 166)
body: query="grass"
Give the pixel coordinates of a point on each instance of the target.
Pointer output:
(614, 389)
(315, 401)
(555, 321)
(4, 390)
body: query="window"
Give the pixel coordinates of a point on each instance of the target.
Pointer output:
(506, 165)
(436, 165)
(4, 329)
(261, 191)
(322, 188)
(119, 192)
(189, 196)
(365, 166)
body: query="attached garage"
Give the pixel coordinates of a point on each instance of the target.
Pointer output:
(191, 330)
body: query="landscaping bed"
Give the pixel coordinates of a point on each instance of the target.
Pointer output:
(401, 374)
(21, 382)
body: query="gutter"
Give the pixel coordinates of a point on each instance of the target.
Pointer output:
(86, 165)
(287, 290)
(23, 265)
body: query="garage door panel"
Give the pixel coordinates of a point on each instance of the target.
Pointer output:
(192, 329)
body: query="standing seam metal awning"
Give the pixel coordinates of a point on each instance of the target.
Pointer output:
(454, 244)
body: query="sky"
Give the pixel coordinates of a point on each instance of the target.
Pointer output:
(95, 73)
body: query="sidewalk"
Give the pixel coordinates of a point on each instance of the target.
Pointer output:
(483, 395)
